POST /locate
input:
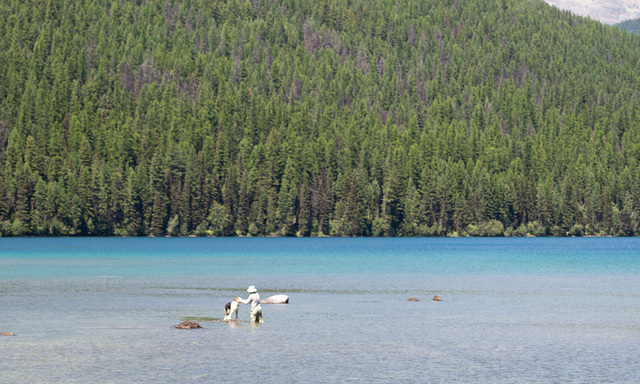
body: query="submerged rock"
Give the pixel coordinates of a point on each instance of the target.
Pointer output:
(276, 299)
(413, 299)
(188, 325)
(6, 334)
(437, 298)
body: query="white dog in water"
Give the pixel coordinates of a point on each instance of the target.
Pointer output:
(231, 308)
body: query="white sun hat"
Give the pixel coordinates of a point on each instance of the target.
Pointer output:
(252, 289)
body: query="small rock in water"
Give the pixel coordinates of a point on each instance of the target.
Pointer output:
(437, 298)
(188, 325)
(6, 334)
(413, 299)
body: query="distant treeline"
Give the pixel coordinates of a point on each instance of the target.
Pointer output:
(632, 26)
(316, 117)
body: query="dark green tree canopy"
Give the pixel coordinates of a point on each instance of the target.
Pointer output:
(316, 117)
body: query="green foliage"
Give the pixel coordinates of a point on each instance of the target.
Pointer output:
(631, 26)
(492, 228)
(312, 118)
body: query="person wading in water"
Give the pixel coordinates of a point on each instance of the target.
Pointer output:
(254, 300)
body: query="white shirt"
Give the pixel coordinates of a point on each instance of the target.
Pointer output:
(254, 299)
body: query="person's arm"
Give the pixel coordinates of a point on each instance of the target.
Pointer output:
(244, 301)
(253, 298)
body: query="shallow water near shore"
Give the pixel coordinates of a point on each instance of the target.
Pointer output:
(513, 310)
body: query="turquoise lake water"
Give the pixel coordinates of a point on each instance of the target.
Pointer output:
(514, 310)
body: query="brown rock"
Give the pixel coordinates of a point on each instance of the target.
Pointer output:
(6, 334)
(437, 298)
(413, 299)
(188, 325)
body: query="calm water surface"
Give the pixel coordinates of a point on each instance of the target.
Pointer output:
(513, 310)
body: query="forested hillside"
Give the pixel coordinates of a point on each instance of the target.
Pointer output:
(632, 26)
(316, 117)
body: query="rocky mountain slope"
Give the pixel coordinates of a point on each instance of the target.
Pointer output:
(607, 11)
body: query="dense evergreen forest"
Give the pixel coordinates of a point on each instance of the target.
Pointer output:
(316, 117)
(631, 26)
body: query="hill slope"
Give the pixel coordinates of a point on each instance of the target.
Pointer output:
(632, 26)
(282, 117)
